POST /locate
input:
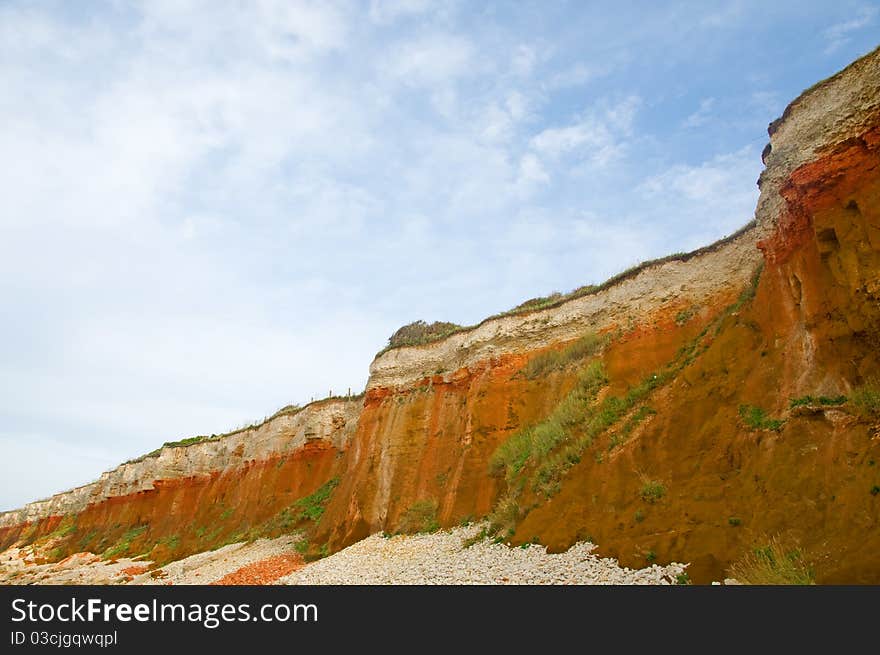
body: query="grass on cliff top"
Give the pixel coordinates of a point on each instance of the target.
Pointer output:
(284, 411)
(774, 563)
(420, 332)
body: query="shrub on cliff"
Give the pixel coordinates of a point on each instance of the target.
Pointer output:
(421, 516)
(866, 398)
(419, 332)
(538, 303)
(776, 563)
(756, 418)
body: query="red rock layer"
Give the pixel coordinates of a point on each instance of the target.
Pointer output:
(189, 515)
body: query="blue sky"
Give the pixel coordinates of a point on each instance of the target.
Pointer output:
(211, 210)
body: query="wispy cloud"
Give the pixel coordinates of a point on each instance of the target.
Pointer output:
(840, 33)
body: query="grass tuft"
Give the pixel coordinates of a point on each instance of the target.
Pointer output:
(652, 491)
(866, 399)
(553, 360)
(824, 401)
(756, 418)
(421, 516)
(774, 563)
(123, 546)
(503, 518)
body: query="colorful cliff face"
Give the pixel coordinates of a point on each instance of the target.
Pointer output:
(812, 329)
(689, 411)
(677, 471)
(188, 498)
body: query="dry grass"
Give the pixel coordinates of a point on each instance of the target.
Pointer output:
(776, 563)
(504, 517)
(553, 360)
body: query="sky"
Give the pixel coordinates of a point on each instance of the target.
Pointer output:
(210, 210)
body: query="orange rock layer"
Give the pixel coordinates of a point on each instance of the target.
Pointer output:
(183, 516)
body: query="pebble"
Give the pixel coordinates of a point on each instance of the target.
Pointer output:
(440, 558)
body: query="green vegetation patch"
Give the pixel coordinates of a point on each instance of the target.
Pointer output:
(536, 441)
(748, 294)
(866, 399)
(540, 455)
(307, 509)
(421, 516)
(684, 316)
(542, 302)
(65, 528)
(171, 541)
(652, 491)
(311, 507)
(824, 401)
(419, 333)
(756, 418)
(123, 546)
(622, 435)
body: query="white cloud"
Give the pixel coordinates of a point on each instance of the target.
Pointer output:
(431, 60)
(576, 75)
(839, 34)
(716, 196)
(531, 173)
(596, 137)
(500, 120)
(277, 29)
(558, 141)
(388, 11)
(523, 60)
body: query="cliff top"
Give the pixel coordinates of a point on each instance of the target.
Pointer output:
(554, 300)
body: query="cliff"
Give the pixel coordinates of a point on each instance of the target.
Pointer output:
(688, 410)
(189, 497)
